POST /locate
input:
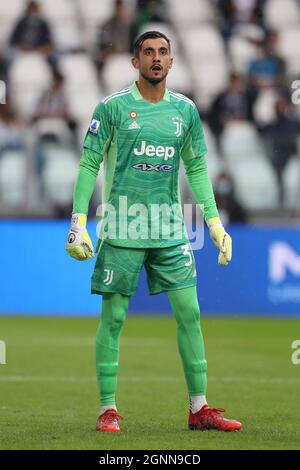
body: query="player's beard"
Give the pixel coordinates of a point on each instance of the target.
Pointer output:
(154, 80)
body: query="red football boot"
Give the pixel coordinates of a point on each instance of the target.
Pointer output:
(108, 421)
(210, 418)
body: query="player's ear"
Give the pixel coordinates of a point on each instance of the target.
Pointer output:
(135, 62)
(171, 63)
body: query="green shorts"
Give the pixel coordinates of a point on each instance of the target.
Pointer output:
(117, 269)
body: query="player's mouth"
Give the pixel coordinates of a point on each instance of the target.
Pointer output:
(156, 68)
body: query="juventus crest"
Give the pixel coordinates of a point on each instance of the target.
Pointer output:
(178, 123)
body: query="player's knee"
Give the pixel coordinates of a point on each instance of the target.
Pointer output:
(117, 320)
(116, 311)
(189, 323)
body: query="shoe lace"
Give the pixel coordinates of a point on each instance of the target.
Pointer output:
(215, 410)
(111, 415)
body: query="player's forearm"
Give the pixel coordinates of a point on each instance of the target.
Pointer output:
(201, 187)
(85, 182)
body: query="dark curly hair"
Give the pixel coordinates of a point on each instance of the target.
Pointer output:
(148, 35)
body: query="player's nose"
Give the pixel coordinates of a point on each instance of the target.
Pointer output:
(156, 57)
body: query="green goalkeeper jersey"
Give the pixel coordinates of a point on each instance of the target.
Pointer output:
(141, 144)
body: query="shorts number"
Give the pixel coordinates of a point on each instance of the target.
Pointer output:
(187, 252)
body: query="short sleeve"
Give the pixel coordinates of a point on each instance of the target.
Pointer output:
(194, 145)
(100, 130)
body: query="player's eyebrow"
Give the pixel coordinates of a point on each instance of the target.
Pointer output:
(151, 49)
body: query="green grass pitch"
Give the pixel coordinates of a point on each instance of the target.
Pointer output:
(49, 397)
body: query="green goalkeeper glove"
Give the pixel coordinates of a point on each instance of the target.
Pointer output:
(221, 239)
(79, 244)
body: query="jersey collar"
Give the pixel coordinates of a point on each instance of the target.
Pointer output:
(137, 95)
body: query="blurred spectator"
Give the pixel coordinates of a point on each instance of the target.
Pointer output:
(143, 4)
(243, 10)
(281, 138)
(268, 69)
(32, 33)
(10, 136)
(53, 103)
(234, 104)
(229, 208)
(148, 11)
(52, 120)
(3, 70)
(236, 12)
(254, 31)
(114, 35)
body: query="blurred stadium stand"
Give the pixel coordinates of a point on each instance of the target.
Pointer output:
(258, 40)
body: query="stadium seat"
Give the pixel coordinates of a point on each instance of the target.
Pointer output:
(291, 184)
(81, 80)
(29, 76)
(53, 126)
(64, 19)
(79, 71)
(255, 183)
(178, 78)
(59, 184)
(67, 36)
(9, 13)
(202, 43)
(241, 51)
(240, 141)
(210, 78)
(58, 10)
(254, 178)
(118, 72)
(30, 68)
(205, 53)
(13, 178)
(215, 164)
(82, 112)
(288, 48)
(165, 29)
(94, 13)
(12, 9)
(82, 87)
(264, 106)
(282, 14)
(252, 32)
(194, 13)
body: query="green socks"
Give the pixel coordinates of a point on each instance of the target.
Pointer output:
(184, 303)
(114, 308)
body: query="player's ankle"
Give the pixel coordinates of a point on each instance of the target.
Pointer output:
(197, 402)
(104, 408)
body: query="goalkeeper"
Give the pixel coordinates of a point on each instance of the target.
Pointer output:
(140, 134)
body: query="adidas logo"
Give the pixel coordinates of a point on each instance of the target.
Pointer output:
(134, 125)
